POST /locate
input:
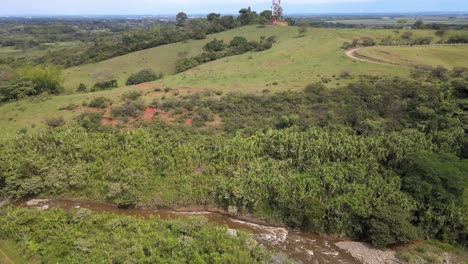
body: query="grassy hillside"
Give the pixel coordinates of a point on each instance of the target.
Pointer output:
(447, 56)
(292, 63)
(160, 59)
(9, 255)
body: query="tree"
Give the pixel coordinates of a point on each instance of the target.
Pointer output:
(45, 78)
(266, 14)
(247, 16)
(302, 30)
(213, 17)
(228, 22)
(418, 25)
(181, 18)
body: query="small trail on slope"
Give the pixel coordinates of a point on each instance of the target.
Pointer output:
(5, 258)
(352, 53)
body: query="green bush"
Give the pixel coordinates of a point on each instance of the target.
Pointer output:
(104, 85)
(99, 102)
(146, 75)
(55, 122)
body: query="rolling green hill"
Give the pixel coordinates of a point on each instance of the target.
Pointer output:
(291, 64)
(446, 56)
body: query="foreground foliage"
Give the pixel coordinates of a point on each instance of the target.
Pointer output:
(342, 183)
(56, 236)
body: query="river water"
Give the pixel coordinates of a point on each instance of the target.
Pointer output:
(303, 247)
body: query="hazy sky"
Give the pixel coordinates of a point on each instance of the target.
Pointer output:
(76, 7)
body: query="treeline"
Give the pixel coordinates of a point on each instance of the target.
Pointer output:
(135, 40)
(216, 49)
(55, 236)
(407, 38)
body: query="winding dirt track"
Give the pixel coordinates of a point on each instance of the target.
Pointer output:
(352, 53)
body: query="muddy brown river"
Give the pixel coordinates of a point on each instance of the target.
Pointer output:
(302, 247)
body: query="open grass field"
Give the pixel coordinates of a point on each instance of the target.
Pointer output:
(9, 255)
(388, 21)
(38, 51)
(291, 64)
(446, 56)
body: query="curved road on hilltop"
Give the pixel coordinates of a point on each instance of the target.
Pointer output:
(352, 53)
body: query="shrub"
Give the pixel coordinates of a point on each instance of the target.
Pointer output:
(215, 46)
(407, 35)
(104, 85)
(131, 96)
(440, 72)
(90, 121)
(458, 39)
(146, 75)
(129, 108)
(366, 41)
(55, 122)
(82, 88)
(100, 102)
(345, 73)
(422, 41)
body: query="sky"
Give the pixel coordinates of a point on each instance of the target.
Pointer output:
(160, 7)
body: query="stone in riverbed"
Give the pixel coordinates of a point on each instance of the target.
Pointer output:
(233, 209)
(232, 232)
(36, 202)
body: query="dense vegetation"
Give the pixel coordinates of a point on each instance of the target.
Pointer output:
(378, 159)
(216, 49)
(389, 176)
(55, 236)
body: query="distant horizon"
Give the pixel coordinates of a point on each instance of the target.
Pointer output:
(436, 13)
(170, 7)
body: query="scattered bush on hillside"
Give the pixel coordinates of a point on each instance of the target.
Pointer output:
(99, 102)
(129, 108)
(422, 41)
(215, 46)
(440, 73)
(82, 88)
(104, 85)
(407, 35)
(55, 122)
(131, 96)
(91, 121)
(146, 75)
(458, 39)
(459, 72)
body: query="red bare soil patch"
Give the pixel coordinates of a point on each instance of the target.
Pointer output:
(145, 85)
(109, 121)
(165, 116)
(188, 121)
(149, 113)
